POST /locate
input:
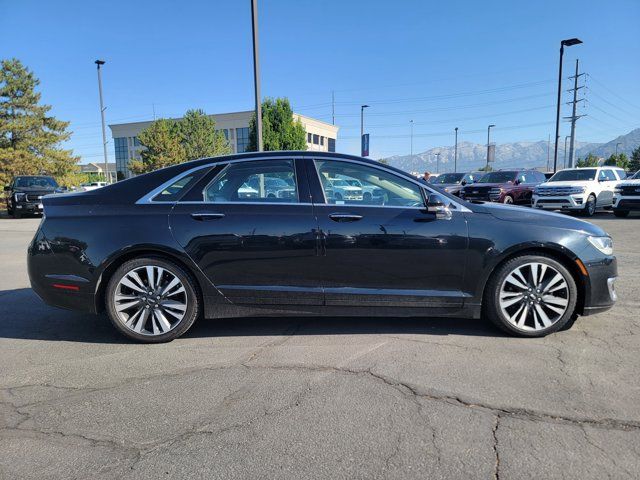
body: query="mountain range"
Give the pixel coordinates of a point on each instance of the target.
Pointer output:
(472, 156)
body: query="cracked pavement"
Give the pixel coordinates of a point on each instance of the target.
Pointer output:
(317, 397)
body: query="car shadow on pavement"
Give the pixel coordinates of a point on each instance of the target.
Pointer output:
(24, 316)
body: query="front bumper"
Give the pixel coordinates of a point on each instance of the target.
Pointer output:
(565, 202)
(626, 202)
(28, 207)
(600, 292)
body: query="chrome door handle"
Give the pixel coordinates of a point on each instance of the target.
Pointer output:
(206, 216)
(344, 217)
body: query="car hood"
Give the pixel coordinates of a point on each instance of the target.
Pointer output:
(518, 214)
(568, 183)
(629, 182)
(41, 190)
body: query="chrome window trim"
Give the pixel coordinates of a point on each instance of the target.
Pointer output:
(147, 199)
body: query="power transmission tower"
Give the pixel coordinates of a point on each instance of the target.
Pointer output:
(574, 117)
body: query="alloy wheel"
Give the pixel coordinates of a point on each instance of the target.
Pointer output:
(150, 300)
(534, 296)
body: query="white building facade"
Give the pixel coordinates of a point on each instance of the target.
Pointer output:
(321, 136)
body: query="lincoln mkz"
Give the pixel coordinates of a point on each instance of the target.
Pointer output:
(272, 234)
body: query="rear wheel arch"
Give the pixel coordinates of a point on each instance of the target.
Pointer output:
(558, 255)
(115, 263)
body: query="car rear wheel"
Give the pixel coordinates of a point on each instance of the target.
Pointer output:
(531, 296)
(152, 300)
(590, 206)
(621, 213)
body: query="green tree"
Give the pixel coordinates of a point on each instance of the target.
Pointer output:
(279, 130)
(634, 163)
(30, 138)
(199, 137)
(162, 145)
(612, 161)
(590, 161)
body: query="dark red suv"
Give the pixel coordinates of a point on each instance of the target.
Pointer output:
(504, 186)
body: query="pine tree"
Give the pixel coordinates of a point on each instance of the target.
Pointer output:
(279, 130)
(162, 147)
(29, 138)
(590, 161)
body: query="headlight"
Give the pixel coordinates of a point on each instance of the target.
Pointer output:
(578, 189)
(617, 190)
(18, 197)
(604, 244)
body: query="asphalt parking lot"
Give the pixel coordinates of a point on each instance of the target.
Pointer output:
(317, 397)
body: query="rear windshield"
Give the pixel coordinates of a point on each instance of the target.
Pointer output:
(448, 178)
(498, 177)
(574, 175)
(36, 182)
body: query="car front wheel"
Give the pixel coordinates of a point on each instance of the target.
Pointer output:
(531, 296)
(152, 300)
(590, 206)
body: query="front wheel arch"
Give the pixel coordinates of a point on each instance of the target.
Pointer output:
(561, 257)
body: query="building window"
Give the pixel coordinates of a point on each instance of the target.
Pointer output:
(332, 144)
(321, 140)
(226, 133)
(122, 156)
(316, 139)
(308, 138)
(242, 135)
(136, 142)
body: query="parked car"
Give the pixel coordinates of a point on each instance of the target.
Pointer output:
(579, 189)
(626, 196)
(340, 190)
(504, 186)
(24, 194)
(453, 182)
(201, 250)
(87, 187)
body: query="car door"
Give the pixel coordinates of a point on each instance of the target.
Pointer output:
(256, 243)
(386, 249)
(607, 180)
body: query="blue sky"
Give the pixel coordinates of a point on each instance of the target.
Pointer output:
(440, 64)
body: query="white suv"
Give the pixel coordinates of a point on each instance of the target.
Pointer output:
(582, 189)
(626, 196)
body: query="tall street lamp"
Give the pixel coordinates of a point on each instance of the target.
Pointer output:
(617, 148)
(488, 145)
(411, 123)
(564, 163)
(564, 43)
(455, 153)
(99, 63)
(438, 162)
(256, 73)
(362, 107)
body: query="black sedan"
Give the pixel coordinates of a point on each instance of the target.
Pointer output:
(160, 250)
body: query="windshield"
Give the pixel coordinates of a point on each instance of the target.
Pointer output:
(637, 175)
(340, 183)
(581, 174)
(498, 177)
(448, 178)
(36, 182)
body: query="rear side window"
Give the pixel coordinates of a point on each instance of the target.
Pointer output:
(268, 181)
(174, 191)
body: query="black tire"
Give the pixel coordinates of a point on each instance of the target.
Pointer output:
(508, 199)
(491, 302)
(337, 196)
(621, 213)
(590, 206)
(191, 291)
(367, 197)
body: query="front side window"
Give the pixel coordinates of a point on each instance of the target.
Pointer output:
(346, 183)
(609, 176)
(258, 181)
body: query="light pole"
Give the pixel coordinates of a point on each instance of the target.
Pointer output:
(438, 162)
(411, 123)
(564, 163)
(256, 73)
(362, 107)
(617, 148)
(99, 63)
(488, 145)
(569, 42)
(455, 153)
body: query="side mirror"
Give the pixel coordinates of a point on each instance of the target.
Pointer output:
(7, 188)
(517, 181)
(436, 205)
(463, 182)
